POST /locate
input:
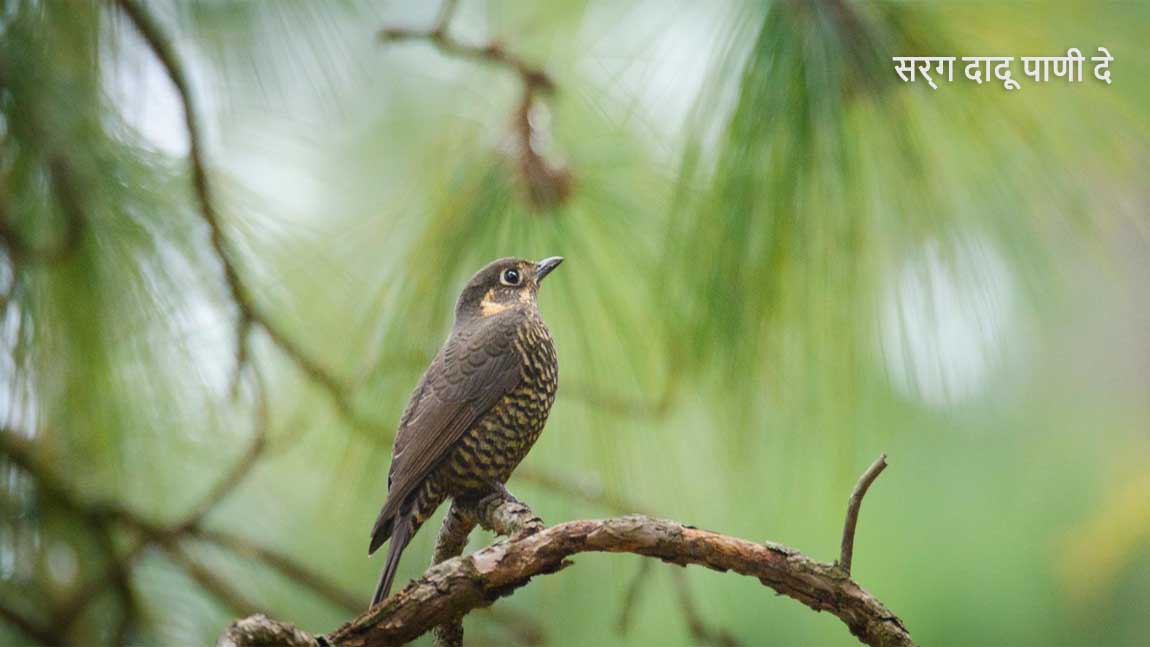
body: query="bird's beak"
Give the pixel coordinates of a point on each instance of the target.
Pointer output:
(544, 267)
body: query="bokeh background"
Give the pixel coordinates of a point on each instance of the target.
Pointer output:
(781, 261)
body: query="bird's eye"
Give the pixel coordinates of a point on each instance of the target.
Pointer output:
(510, 277)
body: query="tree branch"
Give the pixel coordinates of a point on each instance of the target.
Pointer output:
(250, 313)
(548, 185)
(499, 512)
(853, 505)
(262, 631)
(453, 588)
(452, 539)
(459, 585)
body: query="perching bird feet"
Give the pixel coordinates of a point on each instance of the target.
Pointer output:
(501, 513)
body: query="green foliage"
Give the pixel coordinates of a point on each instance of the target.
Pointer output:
(815, 264)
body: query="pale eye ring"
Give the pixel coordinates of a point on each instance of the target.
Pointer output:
(511, 277)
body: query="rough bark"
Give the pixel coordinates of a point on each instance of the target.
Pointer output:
(454, 587)
(451, 589)
(457, 525)
(500, 513)
(262, 630)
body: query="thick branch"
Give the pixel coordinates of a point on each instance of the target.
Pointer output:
(499, 512)
(451, 589)
(597, 495)
(459, 585)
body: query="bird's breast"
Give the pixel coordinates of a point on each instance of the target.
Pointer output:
(540, 366)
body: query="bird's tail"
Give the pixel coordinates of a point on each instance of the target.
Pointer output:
(400, 535)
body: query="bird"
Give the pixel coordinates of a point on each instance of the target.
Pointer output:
(478, 409)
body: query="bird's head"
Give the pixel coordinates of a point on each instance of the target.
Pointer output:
(503, 284)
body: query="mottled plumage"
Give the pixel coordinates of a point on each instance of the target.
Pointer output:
(477, 410)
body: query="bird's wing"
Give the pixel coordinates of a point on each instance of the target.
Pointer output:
(472, 371)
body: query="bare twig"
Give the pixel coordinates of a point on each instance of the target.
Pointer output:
(548, 185)
(853, 505)
(249, 312)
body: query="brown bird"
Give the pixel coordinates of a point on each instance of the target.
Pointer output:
(479, 407)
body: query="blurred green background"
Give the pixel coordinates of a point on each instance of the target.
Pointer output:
(781, 261)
